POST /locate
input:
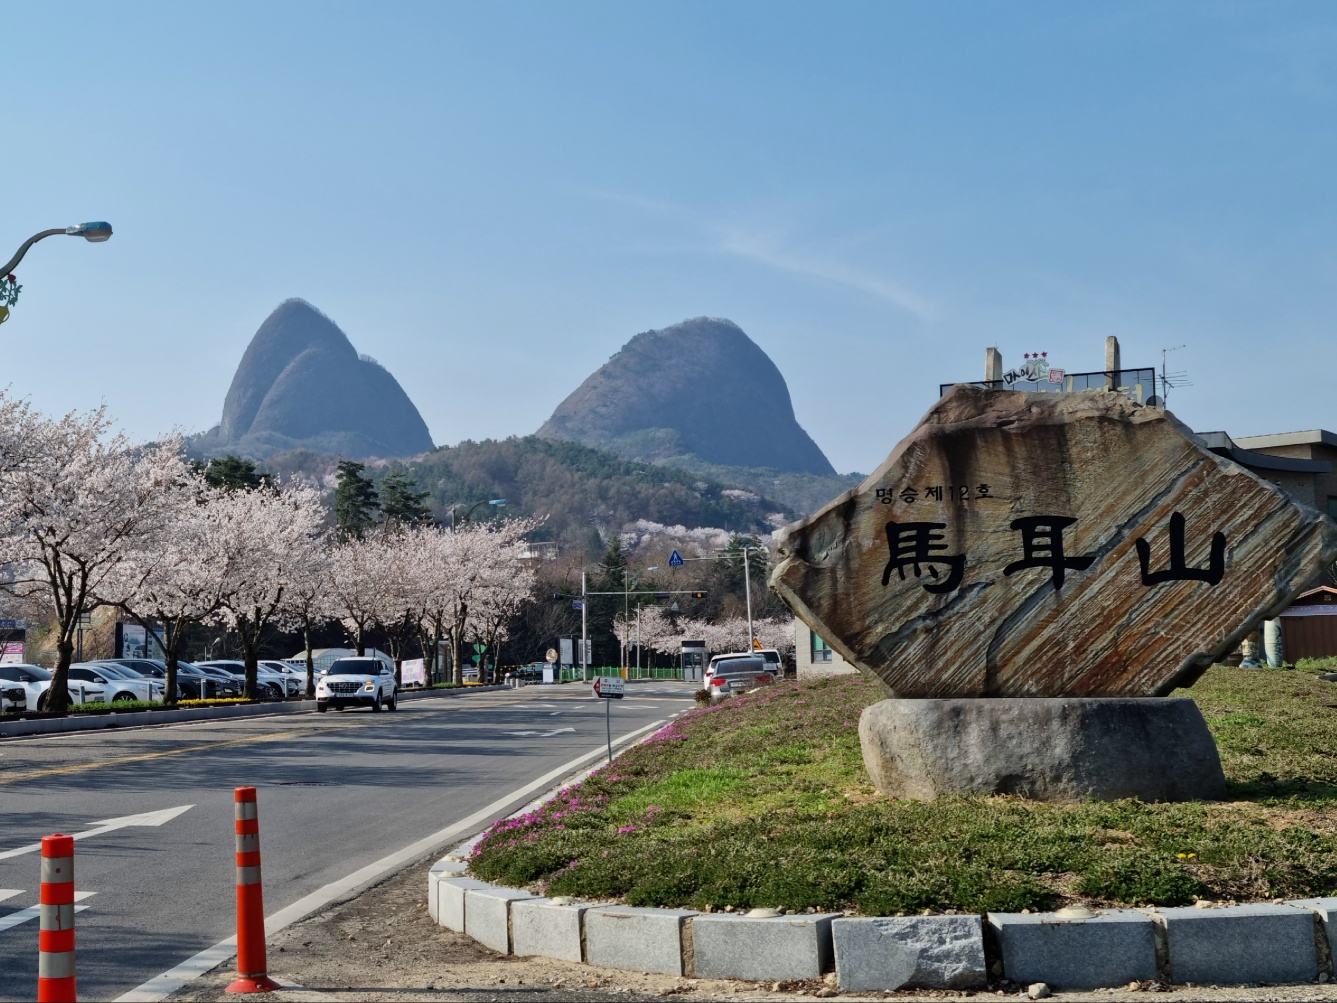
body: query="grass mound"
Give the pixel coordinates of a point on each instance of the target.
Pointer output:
(763, 800)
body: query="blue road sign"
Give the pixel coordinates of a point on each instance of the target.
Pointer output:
(675, 560)
(577, 604)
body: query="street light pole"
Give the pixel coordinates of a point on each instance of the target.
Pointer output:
(747, 586)
(95, 233)
(499, 502)
(584, 627)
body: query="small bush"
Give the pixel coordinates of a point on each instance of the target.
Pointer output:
(702, 698)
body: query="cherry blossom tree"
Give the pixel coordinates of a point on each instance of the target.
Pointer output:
(173, 578)
(360, 579)
(308, 599)
(264, 536)
(75, 500)
(474, 565)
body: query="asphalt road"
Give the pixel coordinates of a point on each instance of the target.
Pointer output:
(337, 792)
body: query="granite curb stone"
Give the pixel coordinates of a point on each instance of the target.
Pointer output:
(1243, 943)
(1326, 911)
(487, 915)
(450, 906)
(730, 946)
(923, 952)
(441, 869)
(548, 929)
(640, 940)
(1109, 949)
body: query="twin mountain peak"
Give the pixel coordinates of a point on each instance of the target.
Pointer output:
(700, 390)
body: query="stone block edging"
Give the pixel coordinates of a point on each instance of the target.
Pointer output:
(1276, 943)
(1243, 944)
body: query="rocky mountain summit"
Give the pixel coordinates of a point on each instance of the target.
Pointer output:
(701, 389)
(302, 384)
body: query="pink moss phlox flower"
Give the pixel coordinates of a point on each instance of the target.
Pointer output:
(572, 864)
(628, 828)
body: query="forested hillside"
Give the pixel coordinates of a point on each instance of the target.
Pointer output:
(578, 489)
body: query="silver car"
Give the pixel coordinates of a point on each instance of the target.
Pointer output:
(733, 674)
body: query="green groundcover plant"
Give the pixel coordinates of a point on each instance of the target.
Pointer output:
(763, 800)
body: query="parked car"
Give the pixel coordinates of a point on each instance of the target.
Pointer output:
(774, 662)
(93, 682)
(357, 682)
(294, 677)
(728, 675)
(13, 697)
(221, 677)
(273, 685)
(188, 678)
(34, 680)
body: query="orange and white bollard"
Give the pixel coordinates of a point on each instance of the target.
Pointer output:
(252, 967)
(55, 937)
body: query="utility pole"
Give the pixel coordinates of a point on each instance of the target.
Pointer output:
(584, 627)
(747, 586)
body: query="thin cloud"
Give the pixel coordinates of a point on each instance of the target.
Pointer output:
(771, 251)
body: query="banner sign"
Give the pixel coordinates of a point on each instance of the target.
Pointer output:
(413, 671)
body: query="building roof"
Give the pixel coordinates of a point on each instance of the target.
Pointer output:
(1223, 445)
(1311, 437)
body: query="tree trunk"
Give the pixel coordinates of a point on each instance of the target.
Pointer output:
(58, 695)
(310, 661)
(249, 643)
(361, 639)
(171, 632)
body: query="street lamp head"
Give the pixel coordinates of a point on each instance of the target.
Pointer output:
(92, 232)
(497, 501)
(655, 568)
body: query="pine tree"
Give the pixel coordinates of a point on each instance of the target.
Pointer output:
(401, 503)
(233, 473)
(355, 501)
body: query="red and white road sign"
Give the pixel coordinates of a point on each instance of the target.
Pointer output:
(610, 687)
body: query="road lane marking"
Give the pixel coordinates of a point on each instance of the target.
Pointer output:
(32, 912)
(78, 767)
(148, 818)
(9, 893)
(543, 734)
(160, 986)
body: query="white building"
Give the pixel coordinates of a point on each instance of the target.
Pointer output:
(813, 657)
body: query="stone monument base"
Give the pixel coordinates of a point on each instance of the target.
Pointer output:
(1046, 748)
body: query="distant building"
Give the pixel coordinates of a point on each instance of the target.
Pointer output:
(1310, 624)
(1317, 446)
(813, 657)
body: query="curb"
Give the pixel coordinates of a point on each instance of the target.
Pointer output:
(148, 718)
(1272, 944)
(1292, 942)
(141, 718)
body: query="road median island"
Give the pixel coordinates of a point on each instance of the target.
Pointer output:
(761, 805)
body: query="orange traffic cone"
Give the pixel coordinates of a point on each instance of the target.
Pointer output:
(55, 937)
(252, 966)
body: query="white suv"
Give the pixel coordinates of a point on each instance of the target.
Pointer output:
(357, 682)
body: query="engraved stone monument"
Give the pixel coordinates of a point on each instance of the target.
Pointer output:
(1028, 575)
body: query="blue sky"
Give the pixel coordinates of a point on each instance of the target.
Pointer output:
(490, 199)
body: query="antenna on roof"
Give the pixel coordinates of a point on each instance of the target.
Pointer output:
(1172, 380)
